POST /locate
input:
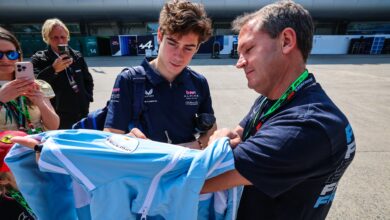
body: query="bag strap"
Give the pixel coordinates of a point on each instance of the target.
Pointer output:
(138, 77)
(94, 124)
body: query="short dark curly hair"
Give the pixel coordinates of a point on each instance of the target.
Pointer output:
(182, 17)
(274, 18)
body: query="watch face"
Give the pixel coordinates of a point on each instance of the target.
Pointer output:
(122, 143)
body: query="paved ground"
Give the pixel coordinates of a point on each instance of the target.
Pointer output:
(359, 85)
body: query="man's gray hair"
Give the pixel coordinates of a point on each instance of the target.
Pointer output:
(274, 18)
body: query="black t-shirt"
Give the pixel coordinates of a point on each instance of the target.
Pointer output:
(296, 159)
(10, 209)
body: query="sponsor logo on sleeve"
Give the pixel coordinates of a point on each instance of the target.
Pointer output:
(329, 191)
(115, 95)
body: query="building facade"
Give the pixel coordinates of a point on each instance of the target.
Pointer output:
(103, 19)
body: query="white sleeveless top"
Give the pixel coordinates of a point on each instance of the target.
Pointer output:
(33, 110)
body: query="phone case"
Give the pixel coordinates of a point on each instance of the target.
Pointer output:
(25, 70)
(63, 49)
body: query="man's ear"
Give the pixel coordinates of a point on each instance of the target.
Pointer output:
(160, 36)
(288, 39)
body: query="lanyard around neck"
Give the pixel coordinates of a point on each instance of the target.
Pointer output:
(17, 196)
(286, 97)
(22, 110)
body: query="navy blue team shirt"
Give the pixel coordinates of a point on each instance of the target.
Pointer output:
(168, 109)
(296, 159)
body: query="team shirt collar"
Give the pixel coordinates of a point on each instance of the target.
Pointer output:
(156, 79)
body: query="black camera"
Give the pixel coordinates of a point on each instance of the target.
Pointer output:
(203, 122)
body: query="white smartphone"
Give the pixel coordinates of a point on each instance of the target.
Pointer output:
(25, 70)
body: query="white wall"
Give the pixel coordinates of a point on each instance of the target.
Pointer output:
(335, 44)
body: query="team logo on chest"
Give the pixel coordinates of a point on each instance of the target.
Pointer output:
(149, 96)
(149, 93)
(191, 97)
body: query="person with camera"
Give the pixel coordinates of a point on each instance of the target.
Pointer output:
(66, 71)
(177, 104)
(294, 145)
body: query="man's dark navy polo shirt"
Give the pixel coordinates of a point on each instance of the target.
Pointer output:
(296, 159)
(168, 108)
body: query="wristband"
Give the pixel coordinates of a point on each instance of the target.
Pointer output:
(38, 148)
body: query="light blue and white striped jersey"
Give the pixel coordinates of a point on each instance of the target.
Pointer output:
(88, 174)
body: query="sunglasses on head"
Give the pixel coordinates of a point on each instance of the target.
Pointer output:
(11, 54)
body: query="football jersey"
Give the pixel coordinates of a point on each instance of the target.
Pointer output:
(89, 174)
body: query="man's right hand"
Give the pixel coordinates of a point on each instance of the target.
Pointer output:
(234, 137)
(62, 63)
(135, 132)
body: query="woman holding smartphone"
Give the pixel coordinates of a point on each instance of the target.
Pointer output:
(24, 103)
(24, 108)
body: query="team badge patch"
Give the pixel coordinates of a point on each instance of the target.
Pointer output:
(123, 143)
(6, 139)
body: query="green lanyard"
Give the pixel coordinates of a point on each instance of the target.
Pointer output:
(22, 115)
(17, 196)
(286, 96)
(22, 111)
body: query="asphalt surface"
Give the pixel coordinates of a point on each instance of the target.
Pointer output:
(359, 85)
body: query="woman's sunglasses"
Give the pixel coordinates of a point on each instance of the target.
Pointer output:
(11, 54)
